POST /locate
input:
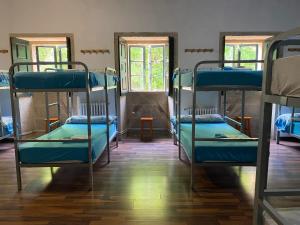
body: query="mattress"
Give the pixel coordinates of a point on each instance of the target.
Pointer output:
(283, 122)
(42, 152)
(285, 76)
(4, 80)
(7, 124)
(60, 80)
(214, 151)
(222, 78)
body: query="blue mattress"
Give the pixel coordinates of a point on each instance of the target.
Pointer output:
(4, 80)
(7, 125)
(222, 78)
(64, 151)
(60, 80)
(283, 123)
(213, 151)
(296, 128)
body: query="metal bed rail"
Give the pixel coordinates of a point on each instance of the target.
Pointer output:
(194, 89)
(16, 117)
(262, 192)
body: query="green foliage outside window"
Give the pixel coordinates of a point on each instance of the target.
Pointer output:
(147, 68)
(52, 54)
(241, 52)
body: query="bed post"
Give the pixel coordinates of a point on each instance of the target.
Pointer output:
(117, 113)
(179, 114)
(88, 109)
(243, 112)
(292, 118)
(264, 140)
(193, 124)
(278, 131)
(107, 115)
(16, 131)
(175, 113)
(224, 104)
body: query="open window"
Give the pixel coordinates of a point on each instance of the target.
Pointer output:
(148, 68)
(33, 48)
(244, 47)
(145, 63)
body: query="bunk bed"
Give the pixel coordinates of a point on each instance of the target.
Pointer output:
(288, 124)
(82, 139)
(208, 140)
(6, 127)
(281, 86)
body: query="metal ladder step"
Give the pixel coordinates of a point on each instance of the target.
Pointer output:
(53, 104)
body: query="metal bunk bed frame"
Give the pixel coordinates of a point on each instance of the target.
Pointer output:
(2, 128)
(262, 193)
(16, 118)
(194, 89)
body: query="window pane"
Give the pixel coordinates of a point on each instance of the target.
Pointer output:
(62, 56)
(157, 54)
(248, 52)
(136, 53)
(46, 54)
(229, 54)
(136, 83)
(157, 69)
(147, 68)
(136, 68)
(157, 83)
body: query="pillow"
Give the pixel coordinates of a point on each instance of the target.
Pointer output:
(205, 118)
(94, 119)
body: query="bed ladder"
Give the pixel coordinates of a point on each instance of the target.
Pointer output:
(52, 121)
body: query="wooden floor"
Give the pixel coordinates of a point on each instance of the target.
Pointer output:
(144, 184)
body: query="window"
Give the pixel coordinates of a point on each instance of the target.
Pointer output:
(241, 52)
(137, 68)
(148, 67)
(51, 54)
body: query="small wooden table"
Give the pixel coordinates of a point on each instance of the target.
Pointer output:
(51, 120)
(247, 120)
(145, 120)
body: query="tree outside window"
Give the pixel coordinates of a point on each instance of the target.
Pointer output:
(241, 52)
(148, 68)
(51, 54)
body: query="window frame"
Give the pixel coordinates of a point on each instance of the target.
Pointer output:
(136, 61)
(150, 67)
(38, 57)
(147, 64)
(248, 45)
(237, 48)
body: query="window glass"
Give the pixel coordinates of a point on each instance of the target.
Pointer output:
(46, 54)
(147, 67)
(136, 53)
(248, 52)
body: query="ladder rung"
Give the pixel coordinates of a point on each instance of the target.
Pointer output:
(52, 104)
(54, 123)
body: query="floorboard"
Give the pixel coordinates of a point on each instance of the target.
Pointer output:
(144, 184)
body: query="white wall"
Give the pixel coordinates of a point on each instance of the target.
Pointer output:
(93, 22)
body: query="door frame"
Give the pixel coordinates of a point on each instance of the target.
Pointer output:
(70, 36)
(118, 35)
